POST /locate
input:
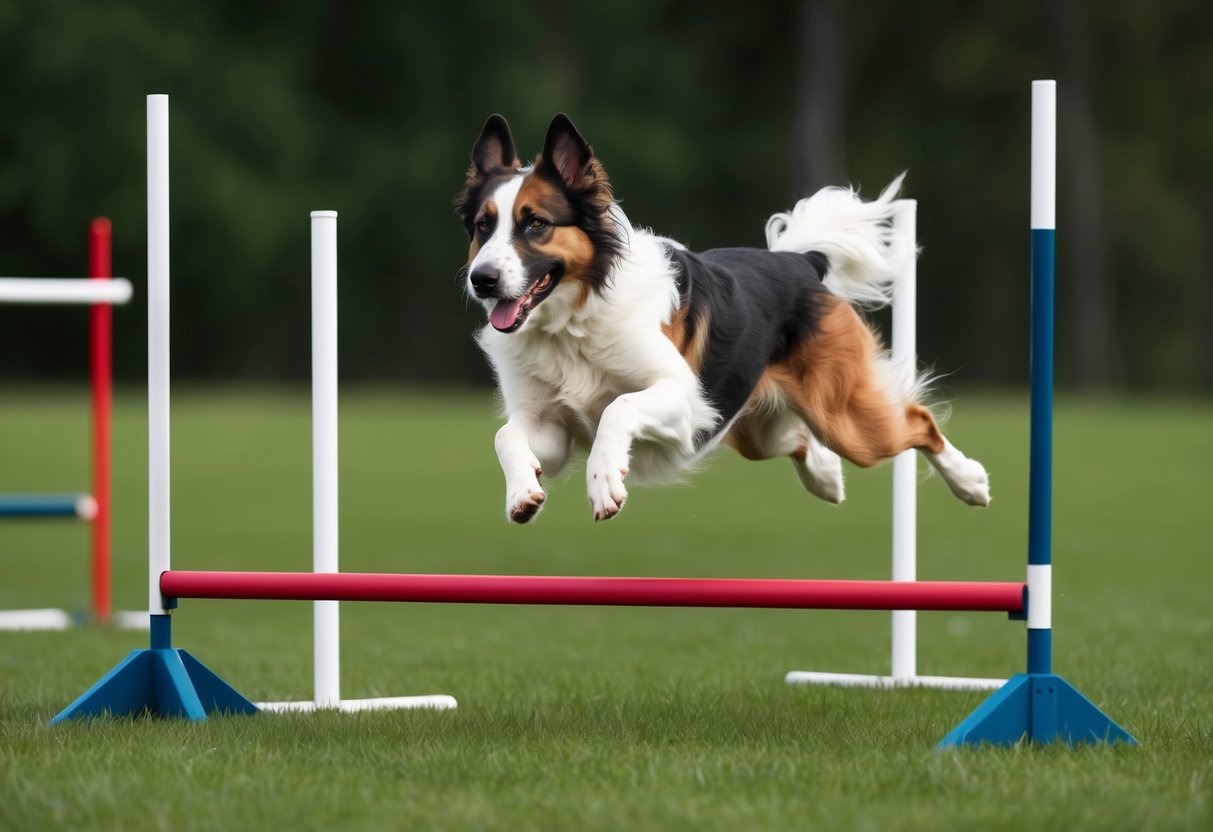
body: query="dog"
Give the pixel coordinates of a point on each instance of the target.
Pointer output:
(609, 338)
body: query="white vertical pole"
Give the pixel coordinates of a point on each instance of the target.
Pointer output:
(327, 681)
(157, 348)
(905, 465)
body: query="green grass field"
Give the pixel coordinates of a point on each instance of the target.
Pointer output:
(597, 718)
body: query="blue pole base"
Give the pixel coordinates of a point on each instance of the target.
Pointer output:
(1040, 707)
(161, 681)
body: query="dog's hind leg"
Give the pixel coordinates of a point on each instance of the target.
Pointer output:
(967, 478)
(784, 434)
(843, 389)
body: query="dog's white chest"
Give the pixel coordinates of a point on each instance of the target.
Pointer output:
(582, 377)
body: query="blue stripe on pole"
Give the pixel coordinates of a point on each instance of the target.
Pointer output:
(1040, 651)
(1040, 481)
(39, 505)
(1040, 488)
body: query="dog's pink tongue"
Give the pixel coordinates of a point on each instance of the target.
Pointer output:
(505, 313)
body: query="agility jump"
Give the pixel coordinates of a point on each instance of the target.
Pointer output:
(1036, 705)
(101, 292)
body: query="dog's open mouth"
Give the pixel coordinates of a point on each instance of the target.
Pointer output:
(509, 314)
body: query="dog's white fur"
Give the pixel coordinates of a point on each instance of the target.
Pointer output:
(601, 372)
(598, 371)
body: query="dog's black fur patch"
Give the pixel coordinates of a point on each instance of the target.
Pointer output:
(758, 306)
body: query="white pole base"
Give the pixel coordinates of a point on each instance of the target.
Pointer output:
(31, 620)
(861, 680)
(435, 702)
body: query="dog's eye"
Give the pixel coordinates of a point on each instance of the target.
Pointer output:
(483, 225)
(537, 224)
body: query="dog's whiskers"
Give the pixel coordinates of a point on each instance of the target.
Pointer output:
(461, 276)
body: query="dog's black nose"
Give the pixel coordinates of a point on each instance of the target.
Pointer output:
(485, 280)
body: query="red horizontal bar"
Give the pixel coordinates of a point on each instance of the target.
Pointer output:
(639, 592)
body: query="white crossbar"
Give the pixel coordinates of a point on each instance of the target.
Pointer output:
(61, 290)
(49, 619)
(35, 620)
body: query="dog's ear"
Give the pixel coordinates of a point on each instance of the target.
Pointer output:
(494, 149)
(568, 155)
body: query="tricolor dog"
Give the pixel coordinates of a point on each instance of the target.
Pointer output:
(611, 339)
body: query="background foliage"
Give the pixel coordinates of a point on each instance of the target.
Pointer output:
(708, 116)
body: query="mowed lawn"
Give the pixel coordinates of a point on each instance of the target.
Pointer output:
(605, 718)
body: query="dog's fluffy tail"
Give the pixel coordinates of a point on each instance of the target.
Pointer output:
(857, 236)
(866, 260)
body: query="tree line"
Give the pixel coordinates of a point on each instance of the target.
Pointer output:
(708, 117)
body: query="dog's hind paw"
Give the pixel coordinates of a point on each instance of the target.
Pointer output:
(971, 483)
(820, 472)
(966, 478)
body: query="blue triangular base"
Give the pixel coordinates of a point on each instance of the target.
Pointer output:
(1041, 707)
(163, 682)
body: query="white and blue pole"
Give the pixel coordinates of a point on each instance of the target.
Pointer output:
(1040, 478)
(1038, 705)
(160, 680)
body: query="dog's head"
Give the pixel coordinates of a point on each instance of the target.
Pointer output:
(537, 232)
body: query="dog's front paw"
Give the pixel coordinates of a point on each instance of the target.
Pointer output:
(523, 506)
(604, 483)
(524, 496)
